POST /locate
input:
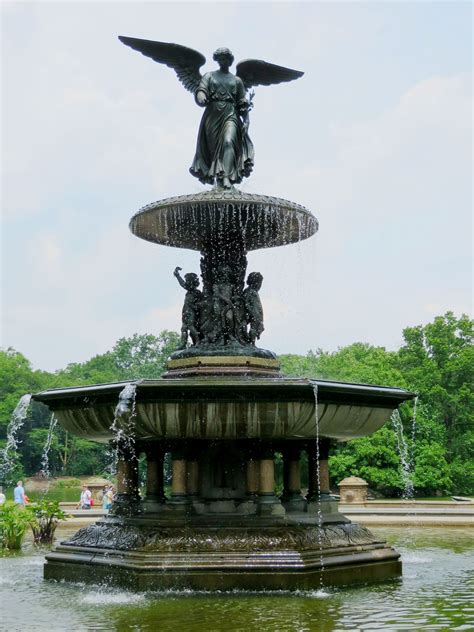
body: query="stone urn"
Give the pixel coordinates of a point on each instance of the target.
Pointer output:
(353, 490)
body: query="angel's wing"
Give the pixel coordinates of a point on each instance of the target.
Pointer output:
(184, 61)
(255, 72)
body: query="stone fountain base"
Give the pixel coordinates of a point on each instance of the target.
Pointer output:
(246, 553)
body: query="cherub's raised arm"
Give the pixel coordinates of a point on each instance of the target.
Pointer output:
(176, 273)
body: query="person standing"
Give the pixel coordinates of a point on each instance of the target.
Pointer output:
(3, 498)
(86, 498)
(107, 498)
(19, 494)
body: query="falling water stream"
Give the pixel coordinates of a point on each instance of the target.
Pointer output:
(45, 468)
(318, 482)
(124, 415)
(413, 434)
(122, 426)
(8, 454)
(406, 459)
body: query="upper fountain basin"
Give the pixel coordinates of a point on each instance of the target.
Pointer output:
(219, 216)
(210, 408)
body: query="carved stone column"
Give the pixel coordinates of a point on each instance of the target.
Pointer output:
(269, 504)
(127, 499)
(192, 486)
(320, 502)
(292, 499)
(325, 490)
(248, 505)
(252, 475)
(155, 496)
(178, 479)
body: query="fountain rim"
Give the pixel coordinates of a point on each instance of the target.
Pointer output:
(288, 388)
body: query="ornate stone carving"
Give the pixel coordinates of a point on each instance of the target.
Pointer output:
(162, 539)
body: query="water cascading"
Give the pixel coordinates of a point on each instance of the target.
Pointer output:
(8, 454)
(318, 483)
(45, 469)
(404, 455)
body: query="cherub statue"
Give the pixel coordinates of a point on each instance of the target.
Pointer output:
(253, 306)
(191, 307)
(224, 152)
(223, 307)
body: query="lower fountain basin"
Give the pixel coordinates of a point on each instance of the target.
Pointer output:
(228, 408)
(138, 556)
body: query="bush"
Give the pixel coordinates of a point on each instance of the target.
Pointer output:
(462, 475)
(14, 521)
(71, 482)
(44, 518)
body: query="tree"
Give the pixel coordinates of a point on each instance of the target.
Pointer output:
(438, 362)
(144, 356)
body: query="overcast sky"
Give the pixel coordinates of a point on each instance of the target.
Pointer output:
(375, 140)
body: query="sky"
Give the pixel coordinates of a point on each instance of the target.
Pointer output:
(375, 139)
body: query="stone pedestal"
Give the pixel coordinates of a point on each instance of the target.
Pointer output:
(179, 497)
(353, 490)
(127, 500)
(269, 503)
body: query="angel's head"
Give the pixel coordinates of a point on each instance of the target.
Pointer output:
(224, 57)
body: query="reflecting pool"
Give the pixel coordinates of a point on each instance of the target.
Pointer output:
(436, 593)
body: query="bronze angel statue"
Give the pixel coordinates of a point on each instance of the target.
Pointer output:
(224, 152)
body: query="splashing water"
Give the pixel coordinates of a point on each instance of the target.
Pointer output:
(124, 415)
(318, 482)
(7, 455)
(403, 452)
(413, 434)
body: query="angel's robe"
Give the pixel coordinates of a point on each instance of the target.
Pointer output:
(224, 148)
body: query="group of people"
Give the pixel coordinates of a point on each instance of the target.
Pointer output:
(19, 496)
(87, 502)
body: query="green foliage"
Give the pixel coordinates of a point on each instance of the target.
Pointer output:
(373, 458)
(462, 476)
(14, 522)
(71, 482)
(359, 362)
(44, 518)
(140, 356)
(144, 356)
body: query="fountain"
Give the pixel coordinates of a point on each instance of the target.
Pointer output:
(222, 410)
